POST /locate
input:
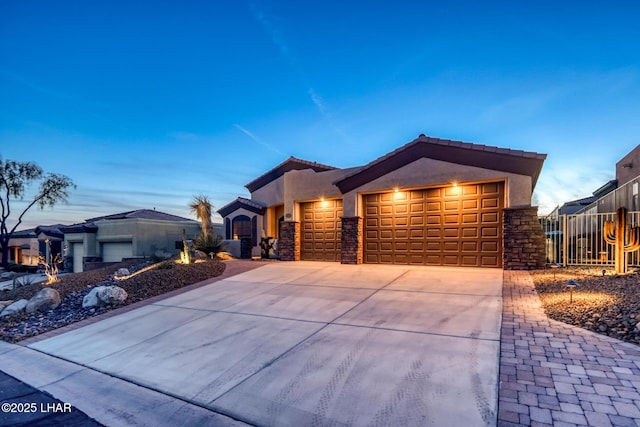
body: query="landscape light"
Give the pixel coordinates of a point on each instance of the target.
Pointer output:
(554, 266)
(571, 284)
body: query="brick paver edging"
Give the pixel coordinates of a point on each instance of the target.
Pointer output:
(554, 374)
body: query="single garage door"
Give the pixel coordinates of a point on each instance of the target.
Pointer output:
(116, 251)
(454, 226)
(321, 230)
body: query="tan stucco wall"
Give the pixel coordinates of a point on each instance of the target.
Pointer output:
(428, 172)
(301, 185)
(271, 194)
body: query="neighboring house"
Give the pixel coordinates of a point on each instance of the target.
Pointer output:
(26, 245)
(622, 191)
(133, 234)
(429, 202)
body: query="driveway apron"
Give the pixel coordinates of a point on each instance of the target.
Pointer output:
(309, 343)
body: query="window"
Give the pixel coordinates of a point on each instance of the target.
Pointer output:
(241, 226)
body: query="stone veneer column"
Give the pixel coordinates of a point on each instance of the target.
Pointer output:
(524, 241)
(352, 242)
(289, 241)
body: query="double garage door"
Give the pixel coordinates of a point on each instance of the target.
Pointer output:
(454, 226)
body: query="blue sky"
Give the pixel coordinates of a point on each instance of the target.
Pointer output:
(147, 103)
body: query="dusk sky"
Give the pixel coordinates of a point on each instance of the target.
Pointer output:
(145, 104)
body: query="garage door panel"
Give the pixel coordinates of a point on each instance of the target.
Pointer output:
(489, 246)
(471, 246)
(470, 205)
(489, 232)
(386, 221)
(469, 232)
(469, 218)
(386, 234)
(469, 190)
(490, 203)
(434, 206)
(490, 217)
(417, 221)
(434, 233)
(436, 226)
(434, 219)
(451, 233)
(450, 205)
(451, 219)
(417, 233)
(469, 261)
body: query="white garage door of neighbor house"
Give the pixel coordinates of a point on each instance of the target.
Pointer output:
(115, 252)
(78, 252)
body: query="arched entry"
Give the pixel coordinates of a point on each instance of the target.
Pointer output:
(241, 227)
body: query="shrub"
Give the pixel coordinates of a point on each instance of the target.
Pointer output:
(211, 244)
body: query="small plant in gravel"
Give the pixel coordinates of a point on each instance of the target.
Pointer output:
(50, 265)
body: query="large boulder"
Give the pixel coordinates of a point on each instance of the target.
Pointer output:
(104, 295)
(46, 299)
(14, 308)
(112, 295)
(5, 303)
(91, 299)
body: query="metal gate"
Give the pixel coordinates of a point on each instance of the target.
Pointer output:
(579, 239)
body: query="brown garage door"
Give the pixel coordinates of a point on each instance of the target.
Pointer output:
(321, 230)
(457, 226)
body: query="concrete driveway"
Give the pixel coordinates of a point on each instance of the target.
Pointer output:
(308, 343)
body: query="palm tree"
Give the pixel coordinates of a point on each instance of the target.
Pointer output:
(201, 206)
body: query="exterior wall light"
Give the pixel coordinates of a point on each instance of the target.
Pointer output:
(571, 284)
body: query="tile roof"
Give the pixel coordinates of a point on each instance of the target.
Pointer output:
(292, 163)
(141, 214)
(465, 153)
(241, 202)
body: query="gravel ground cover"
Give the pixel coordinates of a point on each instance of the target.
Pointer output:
(160, 279)
(606, 303)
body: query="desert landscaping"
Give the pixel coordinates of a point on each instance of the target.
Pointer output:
(602, 302)
(145, 280)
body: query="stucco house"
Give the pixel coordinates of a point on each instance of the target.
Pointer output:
(26, 245)
(622, 191)
(430, 202)
(132, 234)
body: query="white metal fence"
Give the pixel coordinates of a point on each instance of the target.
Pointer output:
(579, 239)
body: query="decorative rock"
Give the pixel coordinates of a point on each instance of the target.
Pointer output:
(14, 308)
(112, 295)
(104, 295)
(91, 299)
(122, 272)
(46, 299)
